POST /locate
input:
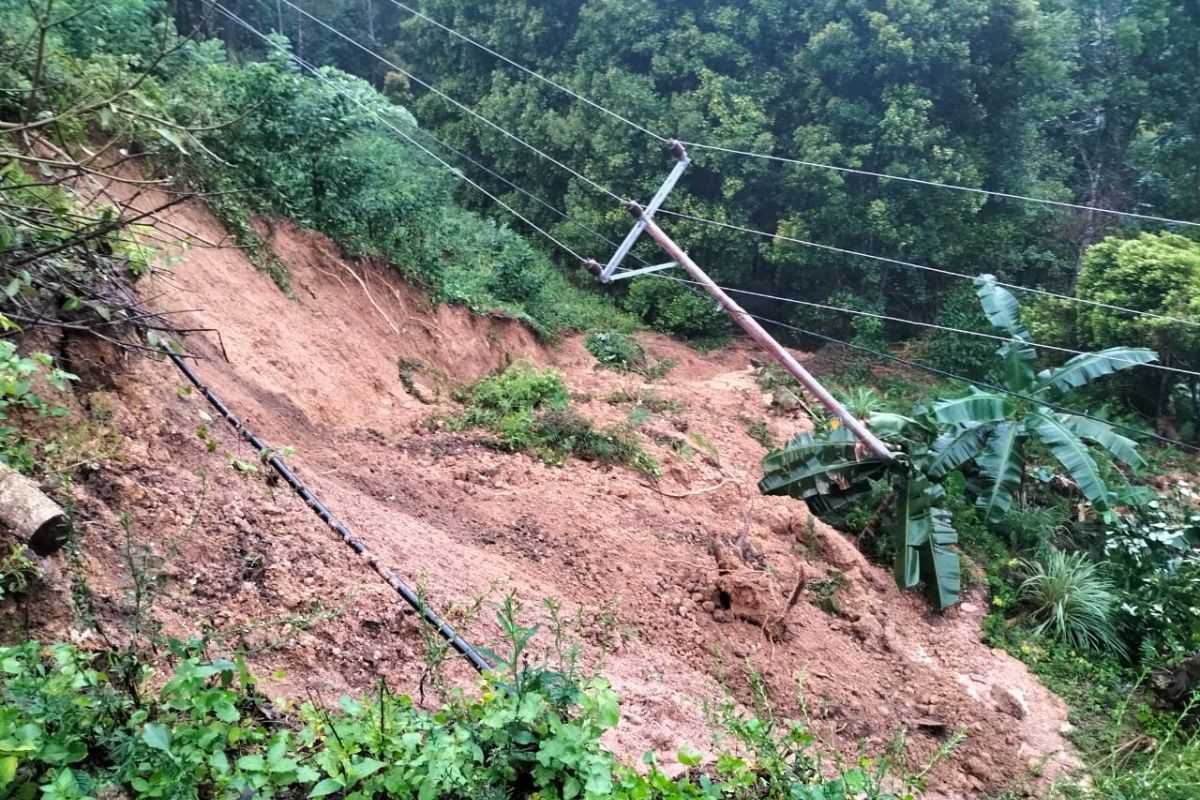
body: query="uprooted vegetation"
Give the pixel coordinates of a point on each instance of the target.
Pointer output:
(530, 410)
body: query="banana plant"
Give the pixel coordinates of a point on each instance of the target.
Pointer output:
(988, 430)
(994, 429)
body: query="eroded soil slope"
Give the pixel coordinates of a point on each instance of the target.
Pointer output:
(321, 374)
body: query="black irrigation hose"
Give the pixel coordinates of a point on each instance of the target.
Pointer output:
(271, 457)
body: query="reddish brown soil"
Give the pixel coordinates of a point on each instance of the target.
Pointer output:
(320, 374)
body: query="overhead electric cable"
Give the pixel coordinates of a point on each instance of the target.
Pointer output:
(935, 326)
(937, 270)
(783, 159)
(531, 72)
(980, 384)
(598, 187)
(458, 173)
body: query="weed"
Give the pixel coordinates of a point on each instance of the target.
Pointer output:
(17, 570)
(759, 431)
(529, 410)
(1069, 599)
(825, 592)
(623, 353)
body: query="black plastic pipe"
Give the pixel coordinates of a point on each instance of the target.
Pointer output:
(271, 457)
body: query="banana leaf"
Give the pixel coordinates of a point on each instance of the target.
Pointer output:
(1087, 367)
(955, 447)
(1102, 434)
(1001, 465)
(1000, 307)
(975, 407)
(1019, 358)
(1073, 454)
(940, 566)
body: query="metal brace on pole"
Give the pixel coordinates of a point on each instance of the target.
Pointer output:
(606, 272)
(747, 322)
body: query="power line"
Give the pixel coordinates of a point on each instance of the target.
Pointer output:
(458, 173)
(784, 159)
(979, 384)
(937, 270)
(456, 103)
(935, 326)
(940, 185)
(531, 72)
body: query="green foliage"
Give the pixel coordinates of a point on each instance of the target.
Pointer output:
(668, 307)
(67, 732)
(957, 353)
(1155, 273)
(1069, 598)
(17, 570)
(17, 375)
(624, 353)
(528, 409)
(1152, 550)
(982, 433)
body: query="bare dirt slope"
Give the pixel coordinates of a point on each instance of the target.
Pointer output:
(320, 374)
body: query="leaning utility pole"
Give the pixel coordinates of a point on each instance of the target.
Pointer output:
(645, 222)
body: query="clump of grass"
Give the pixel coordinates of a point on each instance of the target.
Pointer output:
(1071, 601)
(759, 431)
(624, 353)
(529, 410)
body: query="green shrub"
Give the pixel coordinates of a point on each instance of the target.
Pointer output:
(624, 353)
(668, 307)
(1070, 600)
(968, 356)
(69, 733)
(1153, 553)
(528, 409)
(16, 393)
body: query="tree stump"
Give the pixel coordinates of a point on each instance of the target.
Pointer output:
(30, 517)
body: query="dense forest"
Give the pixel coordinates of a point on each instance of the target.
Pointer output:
(864, 167)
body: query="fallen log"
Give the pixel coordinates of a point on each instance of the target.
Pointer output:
(30, 517)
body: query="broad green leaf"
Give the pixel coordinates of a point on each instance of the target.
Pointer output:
(940, 567)
(955, 447)
(326, 787)
(1102, 433)
(1087, 367)
(975, 407)
(157, 736)
(1000, 307)
(8, 770)
(1018, 358)
(1001, 464)
(1073, 454)
(911, 532)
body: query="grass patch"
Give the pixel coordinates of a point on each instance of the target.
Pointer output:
(622, 352)
(528, 410)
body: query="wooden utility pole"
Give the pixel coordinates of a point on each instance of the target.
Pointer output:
(749, 324)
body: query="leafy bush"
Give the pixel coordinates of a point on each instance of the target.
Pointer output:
(68, 733)
(968, 356)
(624, 353)
(1069, 599)
(1153, 553)
(16, 392)
(528, 409)
(668, 307)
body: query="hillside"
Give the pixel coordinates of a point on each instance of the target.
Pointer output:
(320, 374)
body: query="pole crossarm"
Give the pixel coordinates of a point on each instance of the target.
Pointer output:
(605, 272)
